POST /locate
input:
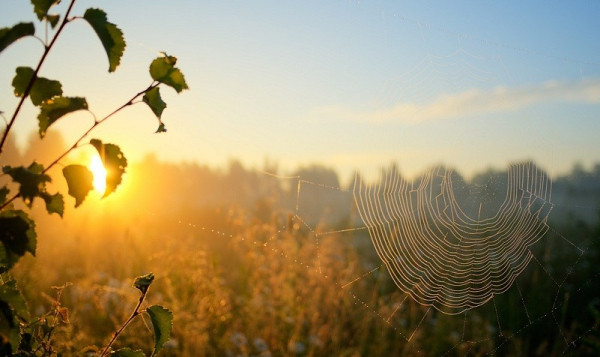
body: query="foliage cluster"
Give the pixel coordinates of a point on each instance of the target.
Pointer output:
(20, 333)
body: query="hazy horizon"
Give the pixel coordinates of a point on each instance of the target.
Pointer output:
(351, 85)
(36, 149)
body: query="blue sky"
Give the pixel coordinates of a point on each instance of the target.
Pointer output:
(351, 84)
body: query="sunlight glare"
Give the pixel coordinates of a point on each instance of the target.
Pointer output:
(99, 174)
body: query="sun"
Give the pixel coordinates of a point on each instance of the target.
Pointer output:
(99, 173)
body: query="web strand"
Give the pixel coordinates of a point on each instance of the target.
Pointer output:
(436, 252)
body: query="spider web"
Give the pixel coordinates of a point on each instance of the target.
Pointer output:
(476, 272)
(481, 259)
(437, 253)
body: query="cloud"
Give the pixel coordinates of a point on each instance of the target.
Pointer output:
(475, 102)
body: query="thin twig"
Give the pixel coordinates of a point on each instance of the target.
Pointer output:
(51, 329)
(135, 313)
(41, 41)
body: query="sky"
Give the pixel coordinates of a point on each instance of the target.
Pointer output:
(354, 85)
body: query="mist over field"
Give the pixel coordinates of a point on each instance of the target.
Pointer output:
(259, 262)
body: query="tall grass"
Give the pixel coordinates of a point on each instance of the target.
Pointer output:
(250, 280)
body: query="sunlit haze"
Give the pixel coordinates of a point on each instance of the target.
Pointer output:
(99, 173)
(350, 85)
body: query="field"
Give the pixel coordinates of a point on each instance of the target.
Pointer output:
(250, 266)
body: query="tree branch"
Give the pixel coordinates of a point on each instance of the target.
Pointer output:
(85, 134)
(34, 77)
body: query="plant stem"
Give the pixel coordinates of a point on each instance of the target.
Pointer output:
(135, 313)
(51, 329)
(34, 77)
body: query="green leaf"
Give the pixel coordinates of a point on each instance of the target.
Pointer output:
(114, 162)
(55, 108)
(22, 79)
(110, 36)
(161, 128)
(80, 181)
(17, 236)
(41, 7)
(10, 294)
(163, 70)
(31, 234)
(142, 283)
(32, 181)
(54, 203)
(26, 344)
(12, 310)
(42, 90)
(53, 20)
(14, 234)
(162, 322)
(3, 193)
(8, 35)
(154, 101)
(127, 352)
